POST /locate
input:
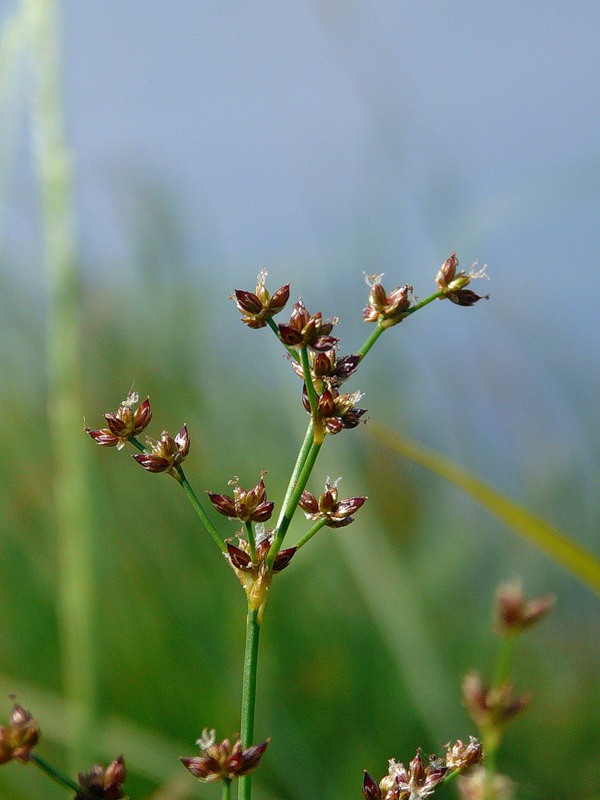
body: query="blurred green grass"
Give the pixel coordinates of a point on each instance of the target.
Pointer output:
(366, 636)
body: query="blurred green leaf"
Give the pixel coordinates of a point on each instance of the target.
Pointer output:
(573, 557)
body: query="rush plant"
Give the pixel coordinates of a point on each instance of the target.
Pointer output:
(253, 548)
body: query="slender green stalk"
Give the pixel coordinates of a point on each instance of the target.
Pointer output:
(193, 498)
(491, 742)
(54, 773)
(380, 328)
(226, 790)
(298, 466)
(251, 540)
(307, 536)
(423, 303)
(249, 693)
(370, 340)
(504, 661)
(70, 473)
(294, 499)
(310, 389)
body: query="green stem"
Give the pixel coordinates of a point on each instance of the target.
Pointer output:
(193, 498)
(310, 389)
(249, 693)
(423, 303)
(55, 774)
(294, 499)
(370, 341)
(381, 327)
(251, 540)
(491, 742)
(70, 471)
(136, 443)
(307, 536)
(302, 456)
(505, 659)
(226, 791)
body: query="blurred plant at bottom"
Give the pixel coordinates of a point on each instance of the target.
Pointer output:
(492, 707)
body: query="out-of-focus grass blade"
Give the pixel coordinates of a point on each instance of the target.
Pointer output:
(581, 563)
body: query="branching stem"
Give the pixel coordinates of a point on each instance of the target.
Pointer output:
(55, 774)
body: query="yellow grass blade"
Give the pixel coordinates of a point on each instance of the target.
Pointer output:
(573, 557)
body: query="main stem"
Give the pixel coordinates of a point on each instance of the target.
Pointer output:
(249, 693)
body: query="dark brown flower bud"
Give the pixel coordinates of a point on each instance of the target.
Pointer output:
(124, 423)
(19, 737)
(466, 297)
(238, 558)
(447, 272)
(247, 506)
(370, 789)
(165, 454)
(222, 760)
(512, 613)
(283, 558)
(103, 783)
(257, 307)
(248, 302)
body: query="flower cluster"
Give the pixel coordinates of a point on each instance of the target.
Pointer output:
(453, 284)
(124, 423)
(335, 513)
(165, 453)
(336, 411)
(19, 737)
(327, 370)
(103, 783)
(420, 779)
(223, 760)
(491, 708)
(247, 506)
(306, 330)
(258, 306)
(251, 565)
(513, 613)
(386, 309)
